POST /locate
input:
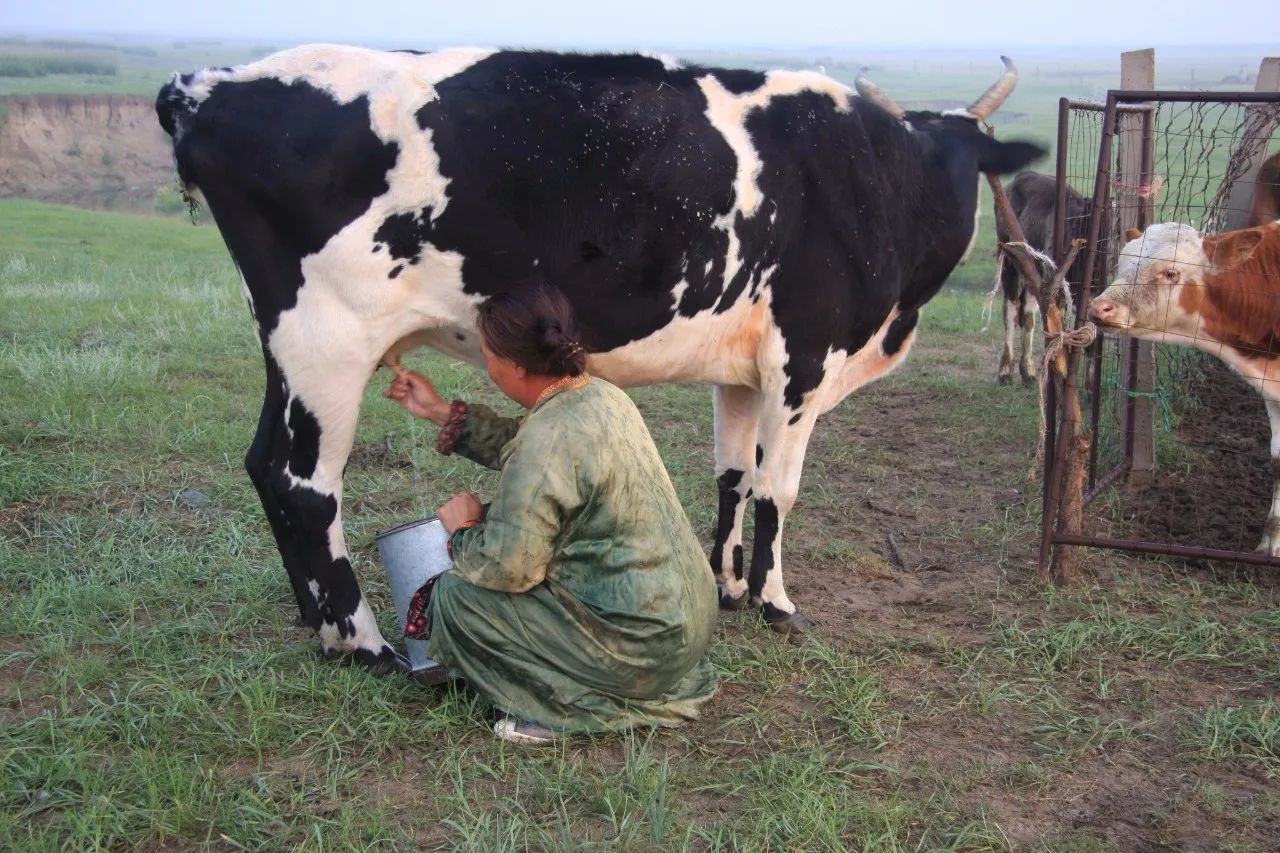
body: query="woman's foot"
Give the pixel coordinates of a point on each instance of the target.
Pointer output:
(524, 732)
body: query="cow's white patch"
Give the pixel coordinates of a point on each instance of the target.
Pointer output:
(727, 113)
(720, 349)
(365, 636)
(343, 71)
(866, 365)
(669, 62)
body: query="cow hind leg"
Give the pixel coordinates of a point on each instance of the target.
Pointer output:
(296, 463)
(1271, 532)
(1010, 316)
(1027, 329)
(784, 436)
(737, 415)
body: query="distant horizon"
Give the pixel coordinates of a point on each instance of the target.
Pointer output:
(710, 25)
(992, 49)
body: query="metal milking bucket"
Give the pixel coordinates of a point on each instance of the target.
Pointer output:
(412, 554)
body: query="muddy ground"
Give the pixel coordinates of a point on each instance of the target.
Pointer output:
(946, 532)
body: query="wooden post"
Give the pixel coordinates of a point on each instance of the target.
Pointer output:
(1137, 71)
(1259, 125)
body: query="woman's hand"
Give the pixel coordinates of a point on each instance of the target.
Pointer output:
(418, 396)
(460, 509)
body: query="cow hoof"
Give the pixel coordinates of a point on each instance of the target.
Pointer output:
(788, 623)
(385, 662)
(728, 602)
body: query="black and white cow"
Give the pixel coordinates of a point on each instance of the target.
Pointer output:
(771, 234)
(1034, 198)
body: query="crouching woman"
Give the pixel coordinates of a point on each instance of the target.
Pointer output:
(580, 600)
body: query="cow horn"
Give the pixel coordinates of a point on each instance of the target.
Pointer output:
(991, 99)
(877, 96)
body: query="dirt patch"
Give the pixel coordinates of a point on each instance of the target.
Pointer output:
(95, 151)
(910, 547)
(1222, 500)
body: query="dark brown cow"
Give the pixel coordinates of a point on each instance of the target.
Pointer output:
(1266, 193)
(1033, 197)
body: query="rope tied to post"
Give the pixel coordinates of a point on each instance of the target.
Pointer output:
(1081, 337)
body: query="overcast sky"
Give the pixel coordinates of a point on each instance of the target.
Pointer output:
(660, 23)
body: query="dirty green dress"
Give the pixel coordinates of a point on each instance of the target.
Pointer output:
(584, 601)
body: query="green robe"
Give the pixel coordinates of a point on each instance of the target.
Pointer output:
(584, 601)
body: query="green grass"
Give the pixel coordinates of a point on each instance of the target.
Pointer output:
(154, 690)
(1249, 732)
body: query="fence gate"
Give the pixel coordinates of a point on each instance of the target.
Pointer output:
(1145, 157)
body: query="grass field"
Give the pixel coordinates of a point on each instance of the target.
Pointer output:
(155, 692)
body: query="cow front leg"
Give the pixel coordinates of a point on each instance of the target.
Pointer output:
(296, 463)
(737, 416)
(1027, 330)
(1271, 532)
(1010, 317)
(784, 436)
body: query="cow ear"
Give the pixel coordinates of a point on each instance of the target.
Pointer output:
(1133, 234)
(1230, 250)
(1003, 158)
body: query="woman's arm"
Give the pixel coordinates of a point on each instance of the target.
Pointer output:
(474, 431)
(537, 495)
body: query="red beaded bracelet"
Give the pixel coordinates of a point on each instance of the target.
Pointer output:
(452, 428)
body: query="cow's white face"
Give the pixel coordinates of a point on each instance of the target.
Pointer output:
(1146, 298)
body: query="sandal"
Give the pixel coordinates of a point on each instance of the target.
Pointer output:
(524, 732)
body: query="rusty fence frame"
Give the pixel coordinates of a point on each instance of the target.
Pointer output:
(1095, 263)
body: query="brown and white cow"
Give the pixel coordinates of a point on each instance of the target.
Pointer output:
(1220, 294)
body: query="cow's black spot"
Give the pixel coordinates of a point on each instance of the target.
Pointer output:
(762, 550)
(759, 454)
(728, 484)
(404, 234)
(605, 169)
(460, 337)
(795, 419)
(773, 614)
(737, 561)
(739, 82)
(304, 449)
(730, 478)
(395, 271)
(284, 167)
(898, 331)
